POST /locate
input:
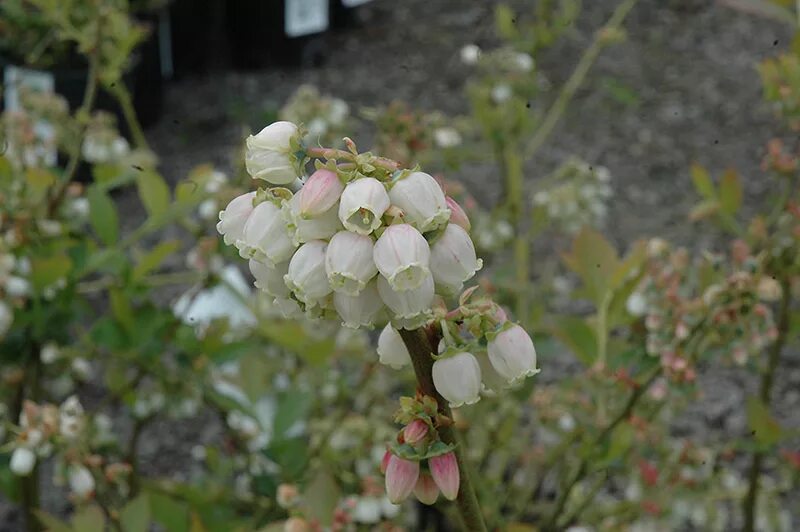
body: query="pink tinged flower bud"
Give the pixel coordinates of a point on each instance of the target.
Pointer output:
(391, 349)
(401, 478)
(232, 220)
(81, 481)
(302, 229)
(426, 489)
(265, 237)
(362, 310)
(362, 205)
(410, 308)
(269, 156)
(349, 263)
(22, 461)
(458, 379)
(306, 276)
(512, 354)
(402, 256)
(422, 201)
(453, 260)
(444, 470)
(270, 279)
(457, 214)
(385, 461)
(319, 193)
(415, 431)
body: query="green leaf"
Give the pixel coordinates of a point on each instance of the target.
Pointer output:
(47, 270)
(103, 216)
(579, 337)
(50, 523)
(153, 258)
(730, 192)
(702, 181)
(293, 406)
(290, 454)
(321, 497)
(595, 261)
(89, 519)
(169, 513)
(154, 192)
(135, 516)
(504, 22)
(39, 180)
(121, 309)
(766, 430)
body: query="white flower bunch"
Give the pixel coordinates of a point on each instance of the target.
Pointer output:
(360, 240)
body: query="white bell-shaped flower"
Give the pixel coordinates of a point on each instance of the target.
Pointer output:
(349, 262)
(392, 351)
(512, 354)
(22, 461)
(458, 378)
(270, 278)
(269, 154)
(320, 192)
(265, 237)
(306, 276)
(422, 201)
(362, 205)
(362, 310)
(232, 220)
(81, 481)
(453, 260)
(304, 229)
(410, 308)
(402, 256)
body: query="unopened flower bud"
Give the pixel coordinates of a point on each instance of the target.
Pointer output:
(385, 461)
(319, 193)
(444, 470)
(22, 461)
(426, 491)
(458, 379)
(270, 278)
(453, 259)
(233, 218)
(306, 276)
(402, 256)
(269, 154)
(362, 205)
(287, 495)
(401, 478)
(391, 349)
(81, 481)
(349, 263)
(512, 354)
(415, 431)
(411, 308)
(422, 201)
(265, 237)
(362, 310)
(457, 214)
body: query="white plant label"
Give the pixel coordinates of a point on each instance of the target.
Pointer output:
(304, 17)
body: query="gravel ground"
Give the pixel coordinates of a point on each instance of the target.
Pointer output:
(688, 66)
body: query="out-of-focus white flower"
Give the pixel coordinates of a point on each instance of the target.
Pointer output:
(306, 276)
(410, 308)
(232, 220)
(447, 137)
(367, 510)
(392, 351)
(215, 181)
(70, 417)
(501, 93)
(265, 237)
(81, 481)
(49, 227)
(361, 310)
(320, 192)
(362, 205)
(207, 209)
(17, 286)
(338, 111)
(512, 354)
(349, 263)
(270, 279)
(269, 156)
(523, 62)
(22, 461)
(6, 318)
(453, 260)
(82, 369)
(470, 54)
(422, 201)
(458, 378)
(402, 256)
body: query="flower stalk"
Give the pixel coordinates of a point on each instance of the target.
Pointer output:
(419, 344)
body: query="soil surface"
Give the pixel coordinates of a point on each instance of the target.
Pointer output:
(691, 93)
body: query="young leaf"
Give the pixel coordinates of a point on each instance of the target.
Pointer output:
(135, 516)
(579, 337)
(154, 192)
(103, 215)
(153, 258)
(595, 261)
(702, 181)
(730, 192)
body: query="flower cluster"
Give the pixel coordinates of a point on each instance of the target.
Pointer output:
(578, 197)
(325, 116)
(780, 77)
(103, 143)
(359, 239)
